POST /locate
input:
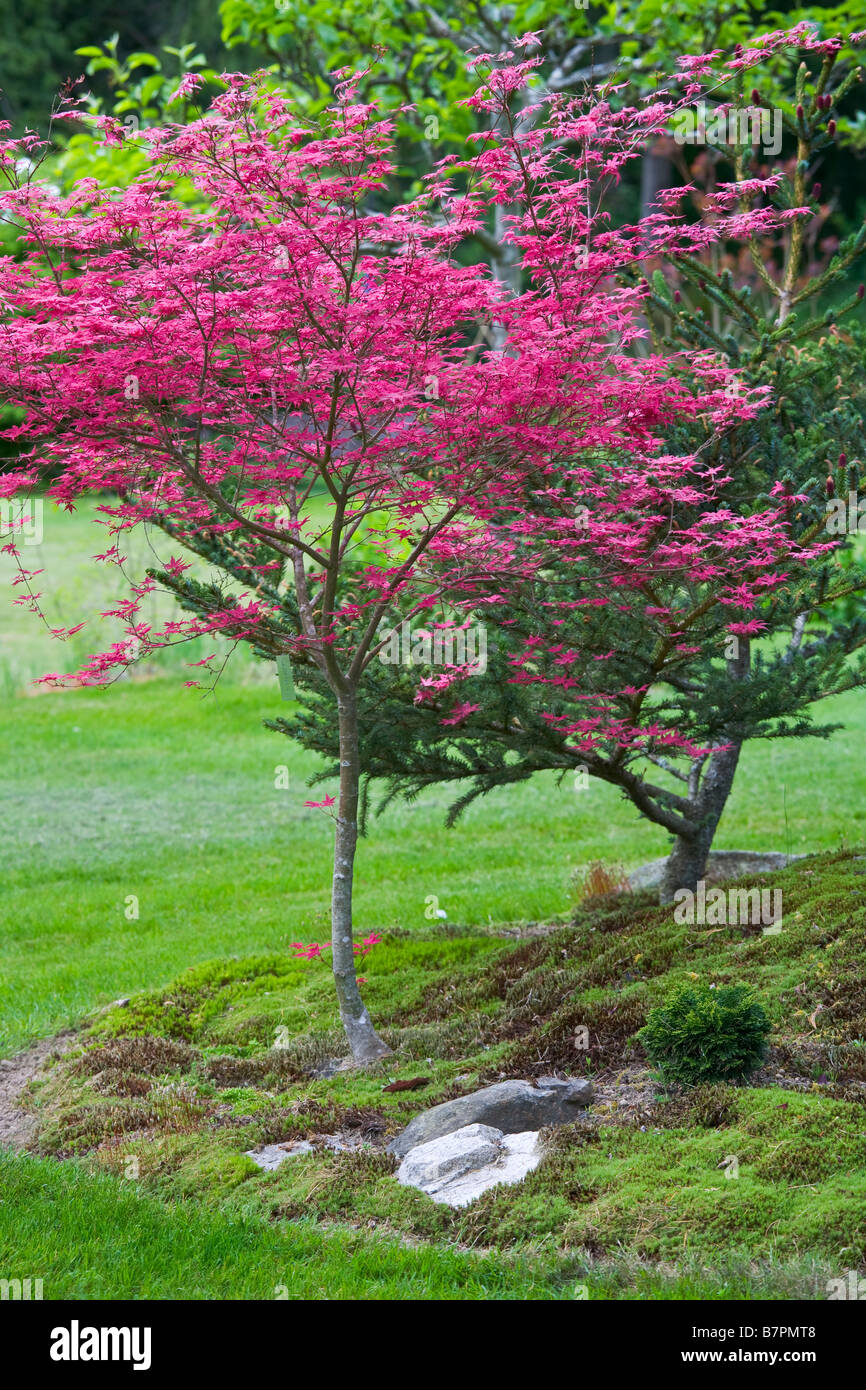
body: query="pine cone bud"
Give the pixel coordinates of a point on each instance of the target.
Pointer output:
(831, 127)
(800, 113)
(756, 96)
(831, 486)
(860, 291)
(843, 459)
(677, 296)
(816, 190)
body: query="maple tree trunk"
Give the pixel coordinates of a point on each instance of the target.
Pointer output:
(364, 1041)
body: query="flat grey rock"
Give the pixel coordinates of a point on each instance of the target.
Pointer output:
(458, 1167)
(721, 864)
(511, 1106)
(272, 1155)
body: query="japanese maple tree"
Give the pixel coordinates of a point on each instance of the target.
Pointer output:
(275, 371)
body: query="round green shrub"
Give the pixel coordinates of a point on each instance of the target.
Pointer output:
(704, 1034)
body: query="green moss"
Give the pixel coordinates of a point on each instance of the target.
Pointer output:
(711, 1173)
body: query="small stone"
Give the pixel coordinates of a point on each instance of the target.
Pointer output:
(335, 1143)
(272, 1155)
(115, 1004)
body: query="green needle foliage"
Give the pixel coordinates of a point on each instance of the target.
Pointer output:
(774, 319)
(703, 1034)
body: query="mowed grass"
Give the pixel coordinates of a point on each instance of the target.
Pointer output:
(148, 798)
(92, 1237)
(143, 833)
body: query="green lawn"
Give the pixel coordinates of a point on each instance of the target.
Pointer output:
(149, 792)
(93, 1237)
(152, 791)
(89, 1237)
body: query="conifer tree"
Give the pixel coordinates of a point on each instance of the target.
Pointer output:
(775, 324)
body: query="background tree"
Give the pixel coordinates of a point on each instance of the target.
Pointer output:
(39, 39)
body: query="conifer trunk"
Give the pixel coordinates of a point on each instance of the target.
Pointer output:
(364, 1041)
(687, 861)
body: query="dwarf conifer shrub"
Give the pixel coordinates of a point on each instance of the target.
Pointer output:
(705, 1034)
